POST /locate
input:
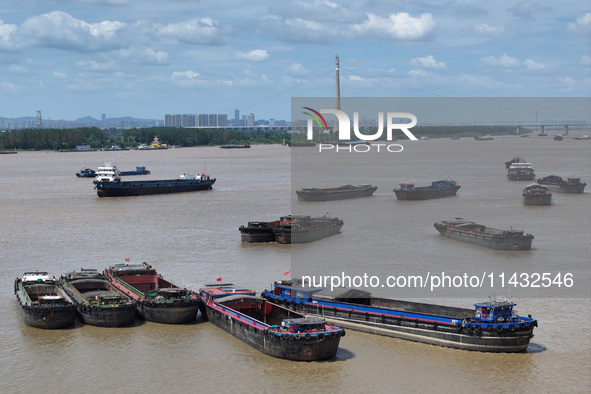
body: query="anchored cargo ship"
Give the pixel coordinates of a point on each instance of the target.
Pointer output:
(521, 172)
(291, 229)
(557, 184)
(42, 301)
(438, 189)
(98, 302)
(156, 299)
(270, 328)
(335, 193)
(478, 234)
(108, 183)
(491, 327)
(536, 194)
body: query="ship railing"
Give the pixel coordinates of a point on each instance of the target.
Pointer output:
(129, 287)
(241, 316)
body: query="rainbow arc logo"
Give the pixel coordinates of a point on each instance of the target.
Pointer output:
(316, 118)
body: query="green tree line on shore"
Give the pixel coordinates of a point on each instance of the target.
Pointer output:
(66, 139)
(56, 139)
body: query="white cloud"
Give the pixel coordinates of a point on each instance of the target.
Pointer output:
(582, 25)
(256, 55)
(488, 30)
(503, 61)
(298, 69)
(585, 61)
(58, 29)
(527, 10)
(6, 33)
(533, 65)
(508, 63)
(400, 26)
(91, 65)
(427, 62)
(186, 78)
(195, 31)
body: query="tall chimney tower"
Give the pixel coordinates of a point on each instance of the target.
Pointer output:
(337, 102)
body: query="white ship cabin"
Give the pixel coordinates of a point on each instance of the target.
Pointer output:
(196, 177)
(107, 173)
(515, 166)
(37, 277)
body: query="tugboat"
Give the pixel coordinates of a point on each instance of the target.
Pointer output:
(42, 302)
(270, 328)
(108, 183)
(478, 234)
(98, 302)
(491, 327)
(306, 229)
(86, 173)
(258, 231)
(535, 194)
(521, 172)
(557, 184)
(156, 299)
(335, 193)
(438, 189)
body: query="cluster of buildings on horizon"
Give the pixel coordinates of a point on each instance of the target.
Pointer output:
(219, 120)
(170, 120)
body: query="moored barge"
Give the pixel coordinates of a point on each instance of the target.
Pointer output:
(98, 302)
(156, 299)
(478, 234)
(42, 302)
(270, 328)
(438, 189)
(335, 193)
(491, 327)
(556, 184)
(305, 229)
(535, 194)
(108, 183)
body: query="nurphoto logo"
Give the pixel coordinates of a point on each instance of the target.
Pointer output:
(393, 120)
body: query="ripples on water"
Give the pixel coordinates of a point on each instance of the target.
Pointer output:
(53, 221)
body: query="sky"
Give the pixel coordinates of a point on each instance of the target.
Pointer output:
(148, 58)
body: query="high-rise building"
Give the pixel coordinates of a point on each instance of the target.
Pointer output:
(222, 120)
(203, 120)
(250, 120)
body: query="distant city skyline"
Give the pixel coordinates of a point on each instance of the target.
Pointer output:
(76, 58)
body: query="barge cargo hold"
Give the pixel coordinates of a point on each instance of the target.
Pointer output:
(42, 302)
(155, 298)
(478, 234)
(98, 302)
(491, 327)
(335, 193)
(270, 328)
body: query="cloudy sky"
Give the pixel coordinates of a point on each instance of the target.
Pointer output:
(147, 58)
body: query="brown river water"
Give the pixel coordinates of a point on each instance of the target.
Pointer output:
(53, 221)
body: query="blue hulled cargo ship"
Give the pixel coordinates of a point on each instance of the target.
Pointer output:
(492, 326)
(108, 183)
